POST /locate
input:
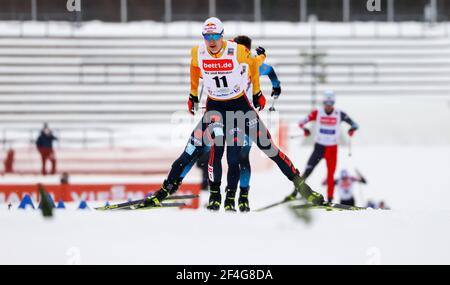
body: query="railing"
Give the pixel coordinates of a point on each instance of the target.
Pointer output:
(84, 139)
(252, 10)
(131, 69)
(321, 70)
(402, 29)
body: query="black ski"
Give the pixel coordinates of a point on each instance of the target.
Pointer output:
(163, 205)
(137, 202)
(329, 207)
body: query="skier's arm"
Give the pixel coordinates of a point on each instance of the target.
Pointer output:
(273, 77)
(353, 125)
(311, 117)
(359, 179)
(362, 180)
(265, 69)
(195, 78)
(260, 61)
(268, 70)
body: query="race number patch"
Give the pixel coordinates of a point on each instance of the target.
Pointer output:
(327, 132)
(328, 120)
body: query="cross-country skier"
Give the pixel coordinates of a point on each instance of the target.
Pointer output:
(328, 121)
(225, 68)
(196, 149)
(244, 161)
(345, 187)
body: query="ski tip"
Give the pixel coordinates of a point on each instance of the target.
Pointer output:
(105, 208)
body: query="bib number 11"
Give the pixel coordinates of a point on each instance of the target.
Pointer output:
(223, 79)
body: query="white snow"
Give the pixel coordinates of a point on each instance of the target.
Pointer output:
(189, 237)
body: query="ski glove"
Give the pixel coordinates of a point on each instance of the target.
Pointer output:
(260, 50)
(307, 132)
(351, 131)
(192, 103)
(259, 101)
(276, 91)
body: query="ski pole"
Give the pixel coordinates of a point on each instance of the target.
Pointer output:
(360, 175)
(361, 192)
(350, 147)
(199, 98)
(295, 136)
(272, 108)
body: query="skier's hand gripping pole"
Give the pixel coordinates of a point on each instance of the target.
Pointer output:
(259, 101)
(192, 104)
(350, 147)
(276, 91)
(272, 107)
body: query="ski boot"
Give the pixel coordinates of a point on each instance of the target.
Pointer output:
(215, 198)
(229, 200)
(291, 196)
(243, 203)
(306, 191)
(166, 189)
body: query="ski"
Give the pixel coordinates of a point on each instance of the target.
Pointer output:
(329, 207)
(163, 205)
(136, 202)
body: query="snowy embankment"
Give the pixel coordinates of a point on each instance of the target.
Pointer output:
(403, 149)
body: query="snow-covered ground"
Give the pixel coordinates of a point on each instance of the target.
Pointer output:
(187, 237)
(403, 149)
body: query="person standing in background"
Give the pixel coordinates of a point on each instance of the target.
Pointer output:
(9, 161)
(44, 145)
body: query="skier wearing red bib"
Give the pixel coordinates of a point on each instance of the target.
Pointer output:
(326, 139)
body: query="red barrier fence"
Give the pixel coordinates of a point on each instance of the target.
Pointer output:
(92, 192)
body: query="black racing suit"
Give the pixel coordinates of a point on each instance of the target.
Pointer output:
(228, 120)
